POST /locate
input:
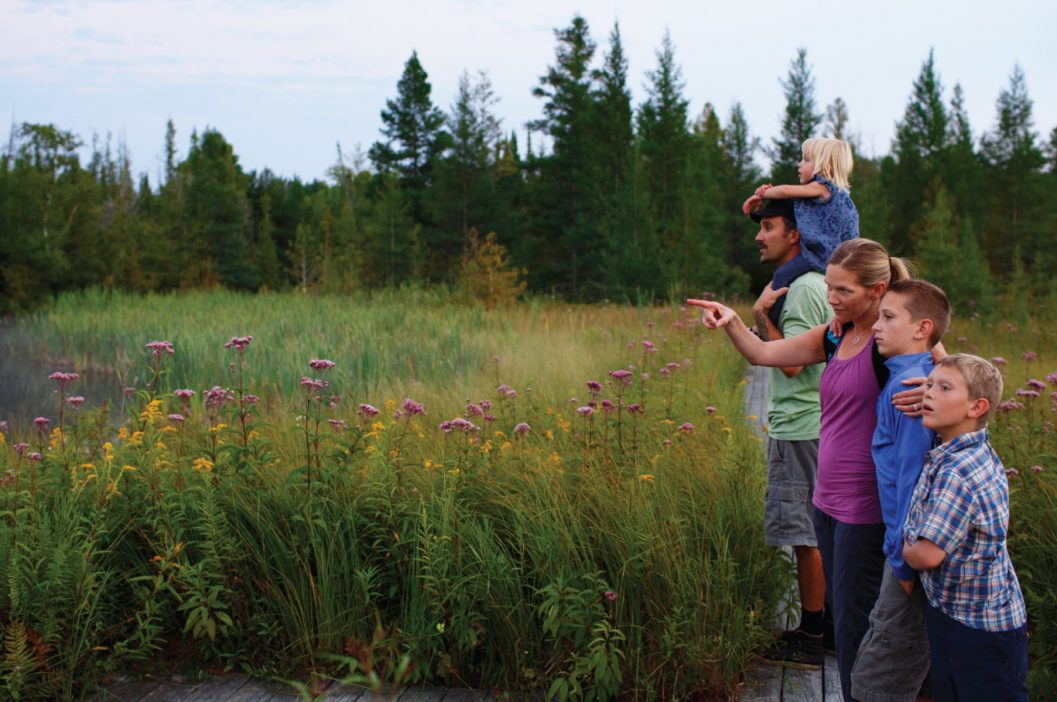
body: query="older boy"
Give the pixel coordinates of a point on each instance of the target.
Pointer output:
(955, 534)
(893, 658)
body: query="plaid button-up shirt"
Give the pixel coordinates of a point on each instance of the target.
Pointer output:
(961, 504)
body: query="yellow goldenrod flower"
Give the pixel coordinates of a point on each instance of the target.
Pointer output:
(646, 477)
(202, 465)
(669, 422)
(151, 413)
(486, 447)
(122, 434)
(549, 434)
(506, 445)
(170, 429)
(371, 448)
(498, 434)
(378, 426)
(427, 464)
(390, 405)
(136, 439)
(751, 417)
(128, 468)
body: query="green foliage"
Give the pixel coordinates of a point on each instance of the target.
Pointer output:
(395, 551)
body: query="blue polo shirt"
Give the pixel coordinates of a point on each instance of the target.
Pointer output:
(899, 446)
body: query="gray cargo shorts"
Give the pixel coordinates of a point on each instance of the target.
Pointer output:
(893, 658)
(787, 514)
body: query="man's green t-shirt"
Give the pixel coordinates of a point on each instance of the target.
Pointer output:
(792, 404)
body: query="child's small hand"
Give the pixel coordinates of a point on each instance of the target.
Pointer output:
(836, 328)
(762, 189)
(751, 204)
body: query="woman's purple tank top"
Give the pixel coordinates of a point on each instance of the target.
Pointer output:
(846, 488)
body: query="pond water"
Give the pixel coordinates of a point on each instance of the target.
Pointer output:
(26, 392)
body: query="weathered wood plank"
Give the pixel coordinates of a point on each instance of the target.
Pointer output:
(259, 691)
(343, 693)
(383, 696)
(463, 694)
(220, 689)
(802, 685)
(423, 694)
(831, 691)
(172, 692)
(762, 684)
(125, 690)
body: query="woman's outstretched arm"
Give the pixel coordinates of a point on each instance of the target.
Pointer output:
(803, 350)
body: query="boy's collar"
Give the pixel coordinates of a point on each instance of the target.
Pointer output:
(905, 360)
(960, 442)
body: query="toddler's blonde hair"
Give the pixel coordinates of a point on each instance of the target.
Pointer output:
(833, 160)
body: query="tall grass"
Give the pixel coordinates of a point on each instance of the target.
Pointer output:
(616, 550)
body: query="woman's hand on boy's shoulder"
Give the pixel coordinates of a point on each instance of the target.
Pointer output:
(909, 401)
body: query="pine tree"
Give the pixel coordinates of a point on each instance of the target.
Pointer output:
(630, 251)
(462, 197)
(950, 256)
(663, 128)
(415, 139)
(799, 122)
(1015, 162)
(566, 247)
(920, 143)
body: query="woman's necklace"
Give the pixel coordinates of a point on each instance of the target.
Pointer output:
(855, 340)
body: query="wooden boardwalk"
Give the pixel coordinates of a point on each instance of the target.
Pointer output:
(762, 684)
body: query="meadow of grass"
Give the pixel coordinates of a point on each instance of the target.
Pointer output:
(543, 497)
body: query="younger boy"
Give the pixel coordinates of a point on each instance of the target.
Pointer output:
(955, 534)
(893, 658)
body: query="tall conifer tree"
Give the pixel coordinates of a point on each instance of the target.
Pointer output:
(799, 122)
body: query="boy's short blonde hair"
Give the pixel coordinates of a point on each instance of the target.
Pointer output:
(923, 300)
(833, 159)
(981, 378)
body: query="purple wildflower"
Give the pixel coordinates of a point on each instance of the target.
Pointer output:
(686, 427)
(635, 408)
(1021, 392)
(485, 405)
(216, 396)
(313, 383)
(608, 406)
(412, 408)
(710, 410)
(511, 393)
(1009, 406)
(21, 449)
(42, 423)
(621, 374)
(665, 372)
(63, 378)
(445, 426)
(365, 410)
(489, 418)
(157, 348)
(1012, 472)
(594, 386)
(611, 596)
(998, 361)
(474, 410)
(1029, 356)
(338, 425)
(184, 394)
(521, 428)
(76, 401)
(503, 389)
(175, 417)
(250, 399)
(335, 400)
(586, 411)
(3, 425)
(33, 456)
(1036, 384)
(1036, 469)
(239, 343)
(321, 365)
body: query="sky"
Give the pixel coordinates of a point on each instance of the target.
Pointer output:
(285, 81)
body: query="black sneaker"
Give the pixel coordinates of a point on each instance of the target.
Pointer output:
(795, 649)
(829, 644)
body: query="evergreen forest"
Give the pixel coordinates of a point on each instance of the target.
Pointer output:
(605, 199)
